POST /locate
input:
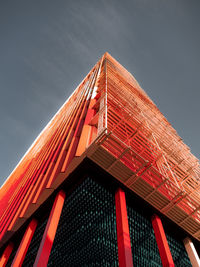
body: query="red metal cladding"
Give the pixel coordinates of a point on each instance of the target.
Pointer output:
(24, 188)
(75, 140)
(110, 112)
(162, 243)
(40, 181)
(68, 148)
(86, 131)
(24, 245)
(123, 236)
(6, 255)
(50, 231)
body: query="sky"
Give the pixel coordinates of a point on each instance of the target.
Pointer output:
(47, 47)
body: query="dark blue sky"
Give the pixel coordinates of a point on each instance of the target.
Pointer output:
(48, 46)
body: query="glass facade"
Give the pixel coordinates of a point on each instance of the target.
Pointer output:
(178, 252)
(144, 247)
(86, 234)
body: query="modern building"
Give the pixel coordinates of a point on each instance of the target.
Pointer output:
(108, 182)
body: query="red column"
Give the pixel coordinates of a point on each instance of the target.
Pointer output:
(6, 254)
(123, 236)
(191, 251)
(162, 243)
(50, 231)
(24, 245)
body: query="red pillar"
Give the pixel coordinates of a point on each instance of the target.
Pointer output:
(50, 231)
(123, 236)
(191, 251)
(6, 254)
(162, 243)
(24, 245)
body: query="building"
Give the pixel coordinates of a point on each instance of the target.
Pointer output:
(108, 182)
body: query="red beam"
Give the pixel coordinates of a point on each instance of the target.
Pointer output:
(50, 231)
(162, 243)
(123, 236)
(6, 254)
(24, 245)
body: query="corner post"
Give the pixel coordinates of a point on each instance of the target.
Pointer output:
(6, 254)
(123, 235)
(191, 251)
(162, 243)
(50, 231)
(24, 245)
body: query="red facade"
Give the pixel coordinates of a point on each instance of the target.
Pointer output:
(111, 121)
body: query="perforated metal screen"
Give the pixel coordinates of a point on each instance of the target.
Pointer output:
(144, 247)
(86, 234)
(178, 252)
